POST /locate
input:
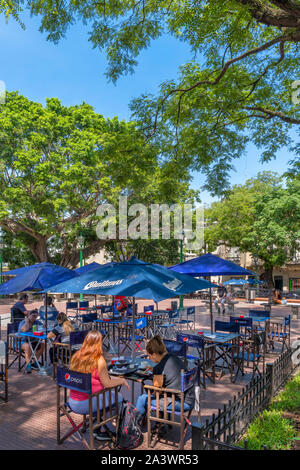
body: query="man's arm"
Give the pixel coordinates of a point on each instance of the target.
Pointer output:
(26, 325)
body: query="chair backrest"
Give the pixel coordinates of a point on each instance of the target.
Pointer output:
(106, 308)
(173, 314)
(89, 317)
(190, 311)
(287, 321)
(74, 380)
(228, 327)
(175, 347)
(84, 303)
(188, 378)
(140, 323)
(71, 305)
(77, 337)
(242, 321)
(192, 341)
(149, 308)
(13, 327)
(259, 313)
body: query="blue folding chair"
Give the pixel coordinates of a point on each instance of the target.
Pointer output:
(205, 358)
(176, 347)
(228, 327)
(14, 344)
(245, 323)
(62, 352)
(149, 308)
(73, 306)
(103, 406)
(125, 332)
(168, 329)
(188, 320)
(4, 369)
(167, 405)
(279, 332)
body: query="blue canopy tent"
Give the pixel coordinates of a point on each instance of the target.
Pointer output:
(241, 282)
(133, 278)
(210, 265)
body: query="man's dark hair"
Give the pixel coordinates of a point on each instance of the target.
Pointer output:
(23, 296)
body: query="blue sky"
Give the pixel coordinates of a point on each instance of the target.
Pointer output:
(74, 72)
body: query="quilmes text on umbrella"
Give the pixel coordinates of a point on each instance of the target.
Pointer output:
(180, 222)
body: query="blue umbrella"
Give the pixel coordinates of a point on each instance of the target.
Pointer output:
(133, 278)
(36, 277)
(235, 282)
(88, 267)
(210, 265)
(25, 269)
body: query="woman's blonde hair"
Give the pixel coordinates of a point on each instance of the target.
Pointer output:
(156, 346)
(68, 327)
(86, 359)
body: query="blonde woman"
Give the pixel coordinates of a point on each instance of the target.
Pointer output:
(61, 332)
(89, 359)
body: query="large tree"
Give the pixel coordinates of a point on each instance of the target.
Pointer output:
(58, 164)
(261, 217)
(238, 89)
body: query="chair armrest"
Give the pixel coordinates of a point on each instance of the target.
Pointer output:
(159, 389)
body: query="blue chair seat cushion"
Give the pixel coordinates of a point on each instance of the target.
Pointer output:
(247, 357)
(137, 338)
(276, 334)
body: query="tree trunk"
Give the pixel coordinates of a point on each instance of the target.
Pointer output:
(267, 275)
(39, 250)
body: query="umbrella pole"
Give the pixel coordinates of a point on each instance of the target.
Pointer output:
(95, 300)
(133, 329)
(46, 323)
(210, 309)
(113, 305)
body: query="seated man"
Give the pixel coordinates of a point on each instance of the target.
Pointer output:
(166, 374)
(26, 326)
(18, 311)
(52, 313)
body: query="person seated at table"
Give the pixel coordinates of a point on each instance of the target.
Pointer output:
(61, 332)
(90, 359)
(277, 296)
(222, 293)
(166, 374)
(52, 313)
(24, 327)
(19, 311)
(120, 305)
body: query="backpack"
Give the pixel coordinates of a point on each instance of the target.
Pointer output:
(129, 433)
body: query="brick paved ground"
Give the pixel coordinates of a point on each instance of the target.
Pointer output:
(28, 420)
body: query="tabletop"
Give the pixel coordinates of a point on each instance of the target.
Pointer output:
(31, 335)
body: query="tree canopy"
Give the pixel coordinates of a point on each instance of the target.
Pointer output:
(238, 89)
(58, 164)
(261, 217)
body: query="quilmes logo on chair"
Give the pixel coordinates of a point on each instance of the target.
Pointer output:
(69, 379)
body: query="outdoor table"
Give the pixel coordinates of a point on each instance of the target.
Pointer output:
(110, 326)
(134, 377)
(227, 346)
(30, 336)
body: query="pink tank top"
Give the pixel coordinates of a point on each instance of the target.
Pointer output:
(96, 387)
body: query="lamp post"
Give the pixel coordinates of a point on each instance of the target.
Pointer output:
(255, 257)
(1, 255)
(181, 259)
(81, 246)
